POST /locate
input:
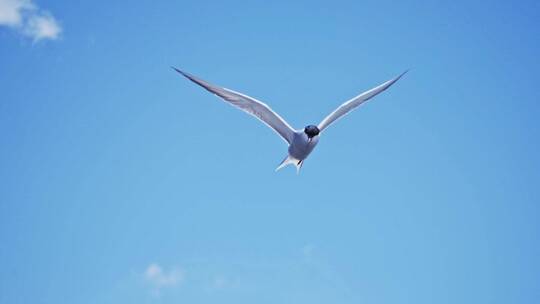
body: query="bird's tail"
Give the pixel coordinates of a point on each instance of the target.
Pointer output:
(289, 160)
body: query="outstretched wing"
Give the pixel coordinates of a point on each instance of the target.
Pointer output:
(249, 105)
(350, 105)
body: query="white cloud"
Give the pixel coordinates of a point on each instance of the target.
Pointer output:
(159, 278)
(43, 27)
(28, 19)
(11, 11)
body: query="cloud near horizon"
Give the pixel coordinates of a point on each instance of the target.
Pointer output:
(159, 278)
(28, 19)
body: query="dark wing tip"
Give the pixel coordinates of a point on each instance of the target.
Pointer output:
(405, 72)
(179, 71)
(392, 81)
(188, 76)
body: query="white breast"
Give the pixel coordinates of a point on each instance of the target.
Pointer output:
(301, 146)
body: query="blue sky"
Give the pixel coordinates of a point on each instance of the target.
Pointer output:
(122, 182)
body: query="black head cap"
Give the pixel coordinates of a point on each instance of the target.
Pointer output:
(311, 131)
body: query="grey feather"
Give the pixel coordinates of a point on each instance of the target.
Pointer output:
(249, 105)
(353, 103)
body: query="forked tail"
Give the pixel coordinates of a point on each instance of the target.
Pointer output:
(289, 160)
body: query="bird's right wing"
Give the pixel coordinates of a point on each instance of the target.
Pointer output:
(350, 105)
(249, 105)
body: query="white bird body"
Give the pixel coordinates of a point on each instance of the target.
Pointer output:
(301, 142)
(299, 150)
(302, 145)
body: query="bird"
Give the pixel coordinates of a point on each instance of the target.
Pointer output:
(301, 141)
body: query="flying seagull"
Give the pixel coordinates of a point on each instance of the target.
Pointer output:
(301, 142)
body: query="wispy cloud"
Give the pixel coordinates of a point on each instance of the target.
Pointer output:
(159, 278)
(221, 282)
(28, 19)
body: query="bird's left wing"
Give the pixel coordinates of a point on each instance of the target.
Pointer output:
(249, 105)
(350, 105)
